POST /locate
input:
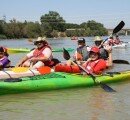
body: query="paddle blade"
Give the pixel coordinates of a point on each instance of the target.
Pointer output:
(66, 54)
(106, 87)
(118, 27)
(19, 69)
(121, 62)
(30, 40)
(44, 70)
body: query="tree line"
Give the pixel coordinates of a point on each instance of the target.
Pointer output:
(51, 25)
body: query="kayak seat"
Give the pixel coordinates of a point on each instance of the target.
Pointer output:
(54, 62)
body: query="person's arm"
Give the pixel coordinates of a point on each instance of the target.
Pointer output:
(85, 63)
(28, 56)
(22, 61)
(109, 62)
(5, 61)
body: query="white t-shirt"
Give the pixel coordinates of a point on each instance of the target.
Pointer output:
(46, 52)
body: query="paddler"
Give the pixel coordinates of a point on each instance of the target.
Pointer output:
(103, 52)
(117, 40)
(40, 56)
(81, 53)
(95, 64)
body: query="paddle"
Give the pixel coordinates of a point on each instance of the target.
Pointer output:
(116, 29)
(30, 40)
(107, 88)
(121, 62)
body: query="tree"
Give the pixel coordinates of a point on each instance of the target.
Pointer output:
(52, 21)
(32, 30)
(94, 28)
(2, 32)
(1, 26)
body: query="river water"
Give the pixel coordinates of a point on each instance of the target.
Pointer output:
(69, 104)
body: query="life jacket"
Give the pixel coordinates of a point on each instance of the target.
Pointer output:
(67, 68)
(38, 53)
(96, 66)
(4, 61)
(78, 56)
(83, 51)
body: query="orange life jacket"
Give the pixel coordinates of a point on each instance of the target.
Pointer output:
(78, 56)
(66, 68)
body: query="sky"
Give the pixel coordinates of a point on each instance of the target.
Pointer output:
(107, 12)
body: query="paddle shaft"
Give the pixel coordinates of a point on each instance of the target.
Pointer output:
(104, 86)
(86, 71)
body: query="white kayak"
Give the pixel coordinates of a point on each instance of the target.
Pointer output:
(122, 45)
(12, 74)
(18, 72)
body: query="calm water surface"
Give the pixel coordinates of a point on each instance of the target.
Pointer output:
(69, 104)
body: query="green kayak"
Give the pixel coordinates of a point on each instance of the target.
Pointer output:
(24, 50)
(55, 80)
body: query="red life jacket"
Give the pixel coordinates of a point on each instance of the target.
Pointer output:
(96, 66)
(38, 53)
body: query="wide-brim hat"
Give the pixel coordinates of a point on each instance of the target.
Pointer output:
(40, 39)
(98, 38)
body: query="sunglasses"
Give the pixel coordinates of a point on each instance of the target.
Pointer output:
(38, 42)
(80, 41)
